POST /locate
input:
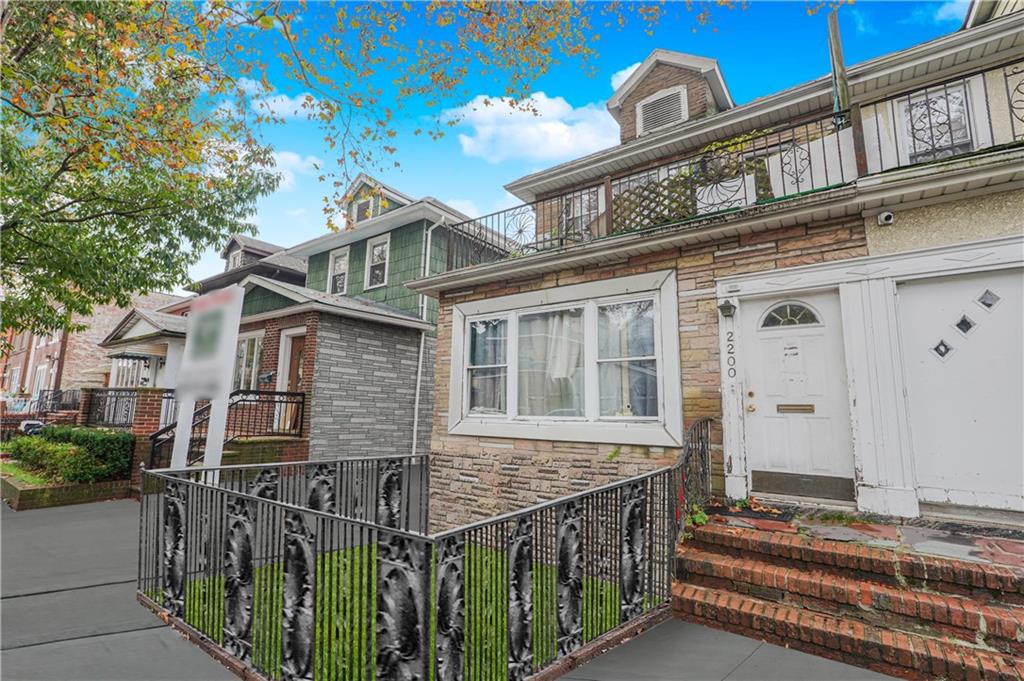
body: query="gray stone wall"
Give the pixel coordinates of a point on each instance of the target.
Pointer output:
(364, 389)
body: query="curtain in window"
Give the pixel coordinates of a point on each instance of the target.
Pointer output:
(487, 366)
(627, 367)
(551, 363)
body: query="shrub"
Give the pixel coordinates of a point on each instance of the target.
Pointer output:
(111, 450)
(33, 452)
(57, 461)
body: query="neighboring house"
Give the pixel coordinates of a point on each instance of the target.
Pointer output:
(843, 289)
(347, 334)
(63, 361)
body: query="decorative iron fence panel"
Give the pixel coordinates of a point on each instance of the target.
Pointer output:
(696, 462)
(267, 566)
(58, 400)
(112, 407)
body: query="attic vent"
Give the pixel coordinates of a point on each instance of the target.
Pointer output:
(664, 107)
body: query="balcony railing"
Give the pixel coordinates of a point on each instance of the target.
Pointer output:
(959, 116)
(112, 407)
(275, 570)
(58, 400)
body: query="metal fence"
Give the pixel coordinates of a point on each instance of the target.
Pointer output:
(696, 462)
(251, 413)
(112, 407)
(58, 400)
(273, 565)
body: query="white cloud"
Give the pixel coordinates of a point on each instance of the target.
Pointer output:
(862, 23)
(284, 106)
(944, 13)
(250, 86)
(619, 77)
(290, 166)
(553, 130)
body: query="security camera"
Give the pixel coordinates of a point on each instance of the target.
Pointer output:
(886, 218)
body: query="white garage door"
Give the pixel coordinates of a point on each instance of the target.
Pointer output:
(963, 341)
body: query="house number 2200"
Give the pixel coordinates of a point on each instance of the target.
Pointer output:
(730, 353)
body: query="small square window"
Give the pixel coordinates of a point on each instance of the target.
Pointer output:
(965, 325)
(988, 299)
(942, 349)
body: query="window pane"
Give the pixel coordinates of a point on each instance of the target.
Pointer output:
(239, 362)
(629, 388)
(626, 330)
(487, 389)
(250, 346)
(338, 283)
(379, 253)
(376, 275)
(551, 363)
(487, 341)
(257, 349)
(341, 263)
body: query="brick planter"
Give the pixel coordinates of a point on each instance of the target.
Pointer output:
(21, 496)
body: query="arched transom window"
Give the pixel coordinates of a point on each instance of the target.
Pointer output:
(789, 314)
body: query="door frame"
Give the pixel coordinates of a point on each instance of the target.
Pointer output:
(284, 351)
(879, 419)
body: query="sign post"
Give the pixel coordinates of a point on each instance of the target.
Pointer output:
(207, 366)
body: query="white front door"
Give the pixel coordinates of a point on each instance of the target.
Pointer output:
(962, 352)
(796, 409)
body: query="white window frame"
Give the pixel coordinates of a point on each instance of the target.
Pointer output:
(684, 110)
(370, 243)
(255, 376)
(336, 254)
(235, 259)
(665, 430)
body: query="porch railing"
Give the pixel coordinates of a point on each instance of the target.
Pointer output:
(112, 407)
(303, 591)
(251, 413)
(58, 400)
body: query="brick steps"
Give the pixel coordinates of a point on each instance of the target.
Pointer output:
(956, 617)
(994, 583)
(891, 652)
(896, 612)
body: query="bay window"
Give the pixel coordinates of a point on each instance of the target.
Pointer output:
(594, 362)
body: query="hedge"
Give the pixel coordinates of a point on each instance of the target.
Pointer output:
(74, 454)
(112, 449)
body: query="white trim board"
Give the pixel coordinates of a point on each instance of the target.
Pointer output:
(667, 431)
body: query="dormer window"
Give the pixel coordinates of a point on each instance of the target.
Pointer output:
(338, 269)
(235, 259)
(662, 109)
(364, 210)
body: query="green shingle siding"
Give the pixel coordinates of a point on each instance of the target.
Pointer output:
(316, 271)
(259, 300)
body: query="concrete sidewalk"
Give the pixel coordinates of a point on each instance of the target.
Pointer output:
(681, 651)
(67, 581)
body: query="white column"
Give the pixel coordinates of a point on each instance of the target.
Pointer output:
(732, 404)
(182, 433)
(215, 433)
(883, 456)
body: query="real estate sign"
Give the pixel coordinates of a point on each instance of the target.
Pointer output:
(211, 338)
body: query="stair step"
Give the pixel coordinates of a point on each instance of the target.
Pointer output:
(948, 575)
(853, 642)
(881, 604)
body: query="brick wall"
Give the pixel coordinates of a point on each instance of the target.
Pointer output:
(365, 389)
(84, 361)
(658, 78)
(478, 476)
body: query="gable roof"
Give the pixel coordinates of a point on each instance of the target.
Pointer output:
(160, 323)
(363, 178)
(427, 208)
(250, 244)
(339, 305)
(705, 66)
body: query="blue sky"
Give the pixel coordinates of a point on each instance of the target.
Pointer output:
(767, 48)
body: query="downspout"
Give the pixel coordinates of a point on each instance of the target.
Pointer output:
(425, 259)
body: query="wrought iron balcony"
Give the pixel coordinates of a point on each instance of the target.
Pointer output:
(956, 117)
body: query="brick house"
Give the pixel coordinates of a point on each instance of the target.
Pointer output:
(65, 361)
(840, 289)
(331, 319)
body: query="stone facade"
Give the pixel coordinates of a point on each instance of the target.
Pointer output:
(484, 476)
(364, 387)
(660, 77)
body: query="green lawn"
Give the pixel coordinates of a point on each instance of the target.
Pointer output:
(346, 610)
(25, 476)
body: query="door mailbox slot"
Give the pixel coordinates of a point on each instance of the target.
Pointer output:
(794, 408)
